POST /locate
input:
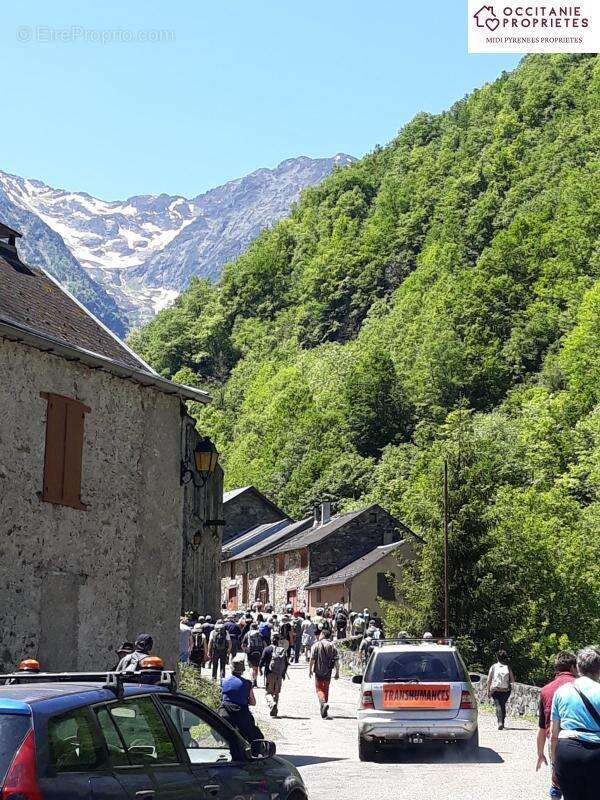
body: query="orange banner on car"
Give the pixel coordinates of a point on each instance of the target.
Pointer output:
(416, 695)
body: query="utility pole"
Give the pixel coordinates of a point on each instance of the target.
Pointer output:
(446, 599)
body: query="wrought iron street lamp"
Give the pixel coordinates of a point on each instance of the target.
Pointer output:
(206, 458)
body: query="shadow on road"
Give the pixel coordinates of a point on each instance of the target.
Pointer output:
(304, 761)
(287, 716)
(431, 755)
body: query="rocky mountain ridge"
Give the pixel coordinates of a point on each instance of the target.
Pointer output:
(141, 252)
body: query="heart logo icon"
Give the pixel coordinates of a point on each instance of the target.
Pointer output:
(493, 23)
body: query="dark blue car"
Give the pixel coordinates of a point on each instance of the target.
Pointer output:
(81, 740)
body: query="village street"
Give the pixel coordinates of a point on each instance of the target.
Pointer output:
(325, 751)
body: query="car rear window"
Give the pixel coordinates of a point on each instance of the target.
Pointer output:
(13, 728)
(422, 665)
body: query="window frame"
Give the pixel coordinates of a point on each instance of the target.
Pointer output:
(175, 740)
(98, 737)
(229, 734)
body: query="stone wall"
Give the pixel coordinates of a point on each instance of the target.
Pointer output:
(247, 510)
(370, 529)
(74, 584)
(524, 699)
(201, 568)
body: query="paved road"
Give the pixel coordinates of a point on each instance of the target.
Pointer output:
(325, 751)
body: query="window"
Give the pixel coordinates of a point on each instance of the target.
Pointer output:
(281, 563)
(72, 743)
(422, 665)
(245, 588)
(303, 558)
(203, 742)
(385, 589)
(142, 737)
(319, 595)
(64, 451)
(232, 569)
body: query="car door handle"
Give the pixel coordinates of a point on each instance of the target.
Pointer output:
(145, 794)
(212, 789)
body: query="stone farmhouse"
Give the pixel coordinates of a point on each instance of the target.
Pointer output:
(109, 499)
(320, 559)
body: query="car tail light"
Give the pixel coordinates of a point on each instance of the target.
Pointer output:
(21, 779)
(366, 700)
(466, 699)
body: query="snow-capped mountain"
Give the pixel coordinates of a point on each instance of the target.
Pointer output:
(144, 250)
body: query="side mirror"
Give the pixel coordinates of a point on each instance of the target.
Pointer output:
(262, 748)
(357, 679)
(474, 677)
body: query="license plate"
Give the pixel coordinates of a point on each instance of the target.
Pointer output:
(416, 695)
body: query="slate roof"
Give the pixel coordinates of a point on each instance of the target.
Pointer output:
(232, 493)
(314, 535)
(35, 300)
(37, 310)
(257, 549)
(356, 567)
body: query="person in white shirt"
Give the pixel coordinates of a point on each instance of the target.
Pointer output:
(499, 685)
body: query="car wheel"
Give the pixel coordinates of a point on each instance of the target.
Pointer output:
(470, 746)
(366, 750)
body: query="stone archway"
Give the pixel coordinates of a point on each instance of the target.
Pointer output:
(262, 591)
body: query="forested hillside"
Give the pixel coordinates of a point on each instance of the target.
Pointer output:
(438, 299)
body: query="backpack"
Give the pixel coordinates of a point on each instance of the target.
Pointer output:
(326, 625)
(501, 677)
(341, 620)
(278, 661)
(220, 643)
(359, 625)
(254, 643)
(197, 651)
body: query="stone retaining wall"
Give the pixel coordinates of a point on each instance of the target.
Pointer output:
(524, 700)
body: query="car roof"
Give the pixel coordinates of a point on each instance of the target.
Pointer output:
(412, 648)
(28, 694)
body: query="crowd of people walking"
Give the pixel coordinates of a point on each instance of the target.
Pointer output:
(268, 642)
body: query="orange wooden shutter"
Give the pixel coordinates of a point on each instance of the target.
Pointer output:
(64, 451)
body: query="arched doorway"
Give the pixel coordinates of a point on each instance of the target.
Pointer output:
(262, 591)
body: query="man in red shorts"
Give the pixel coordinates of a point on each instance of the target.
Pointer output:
(324, 660)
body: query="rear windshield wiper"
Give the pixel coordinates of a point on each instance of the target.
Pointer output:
(401, 680)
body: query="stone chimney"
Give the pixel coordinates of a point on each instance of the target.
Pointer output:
(325, 512)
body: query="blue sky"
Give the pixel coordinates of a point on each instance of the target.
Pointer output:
(244, 84)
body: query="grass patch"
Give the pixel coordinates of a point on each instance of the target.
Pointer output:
(203, 689)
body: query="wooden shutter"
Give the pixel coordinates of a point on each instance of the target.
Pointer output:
(303, 558)
(64, 451)
(245, 587)
(281, 563)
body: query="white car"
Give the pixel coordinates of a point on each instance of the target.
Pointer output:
(416, 690)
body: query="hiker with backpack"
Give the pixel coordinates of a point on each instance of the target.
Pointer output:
(235, 634)
(341, 623)
(324, 661)
(253, 645)
(219, 648)
(309, 636)
(499, 686)
(297, 632)
(286, 635)
(575, 738)
(274, 663)
(198, 647)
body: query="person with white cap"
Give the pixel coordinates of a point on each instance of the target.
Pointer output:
(237, 695)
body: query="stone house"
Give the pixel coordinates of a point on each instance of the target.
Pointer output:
(102, 527)
(280, 567)
(244, 509)
(364, 582)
